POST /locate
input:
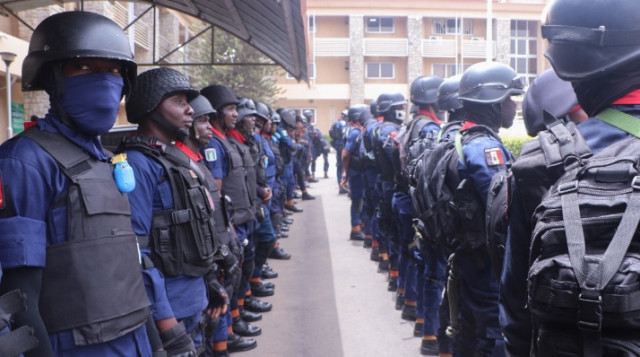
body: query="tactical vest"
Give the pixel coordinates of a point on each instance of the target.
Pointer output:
(100, 254)
(384, 164)
(19, 340)
(249, 165)
(285, 151)
(235, 185)
(182, 238)
(275, 147)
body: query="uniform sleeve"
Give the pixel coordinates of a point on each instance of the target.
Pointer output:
(28, 195)
(514, 316)
(350, 146)
(141, 200)
(216, 167)
(431, 129)
(484, 157)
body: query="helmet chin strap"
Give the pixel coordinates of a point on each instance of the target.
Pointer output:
(175, 133)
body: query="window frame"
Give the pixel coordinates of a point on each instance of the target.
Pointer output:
(379, 65)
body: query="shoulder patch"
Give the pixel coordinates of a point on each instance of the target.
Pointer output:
(494, 156)
(210, 154)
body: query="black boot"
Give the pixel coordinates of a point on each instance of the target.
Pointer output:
(249, 316)
(280, 254)
(235, 343)
(245, 329)
(251, 303)
(306, 196)
(259, 290)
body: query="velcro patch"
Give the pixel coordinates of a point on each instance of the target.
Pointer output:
(494, 156)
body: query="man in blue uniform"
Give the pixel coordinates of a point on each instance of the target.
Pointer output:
(353, 167)
(392, 108)
(419, 133)
(485, 92)
(178, 248)
(336, 133)
(229, 170)
(605, 76)
(53, 251)
(372, 235)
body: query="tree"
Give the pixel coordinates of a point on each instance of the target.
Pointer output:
(252, 81)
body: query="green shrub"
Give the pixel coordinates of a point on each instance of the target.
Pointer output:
(514, 144)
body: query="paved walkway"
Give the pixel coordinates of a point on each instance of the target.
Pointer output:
(329, 300)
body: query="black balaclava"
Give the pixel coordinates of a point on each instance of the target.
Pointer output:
(484, 114)
(597, 94)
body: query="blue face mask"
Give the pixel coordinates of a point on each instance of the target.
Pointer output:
(92, 101)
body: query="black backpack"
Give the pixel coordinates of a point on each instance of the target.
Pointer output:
(584, 291)
(414, 145)
(449, 210)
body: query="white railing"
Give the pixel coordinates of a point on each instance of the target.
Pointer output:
(386, 47)
(141, 35)
(332, 47)
(437, 47)
(477, 48)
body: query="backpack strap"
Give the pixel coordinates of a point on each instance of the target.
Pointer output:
(470, 134)
(621, 120)
(592, 274)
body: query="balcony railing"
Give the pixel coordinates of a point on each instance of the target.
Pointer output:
(141, 35)
(437, 47)
(332, 47)
(386, 47)
(477, 48)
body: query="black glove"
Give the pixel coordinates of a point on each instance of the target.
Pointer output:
(227, 259)
(177, 343)
(217, 294)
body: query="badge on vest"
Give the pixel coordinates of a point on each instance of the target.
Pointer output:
(210, 155)
(494, 156)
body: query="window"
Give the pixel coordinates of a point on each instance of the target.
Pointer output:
(312, 71)
(311, 20)
(446, 70)
(379, 70)
(524, 48)
(452, 26)
(379, 24)
(299, 111)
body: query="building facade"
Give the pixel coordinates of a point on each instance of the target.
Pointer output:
(360, 48)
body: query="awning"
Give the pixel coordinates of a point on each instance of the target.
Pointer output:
(274, 27)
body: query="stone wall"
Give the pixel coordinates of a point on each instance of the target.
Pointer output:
(414, 36)
(356, 61)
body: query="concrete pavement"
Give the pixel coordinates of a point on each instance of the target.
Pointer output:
(329, 300)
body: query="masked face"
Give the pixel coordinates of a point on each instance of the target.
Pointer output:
(507, 113)
(92, 101)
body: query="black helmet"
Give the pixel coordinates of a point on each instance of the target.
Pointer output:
(152, 87)
(373, 106)
(358, 113)
(219, 96)
(262, 111)
(201, 106)
(245, 107)
(275, 118)
(588, 39)
(288, 117)
(547, 93)
(307, 114)
(386, 101)
(489, 83)
(448, 94)
(301, 119)
(424, 90)
(76, 34)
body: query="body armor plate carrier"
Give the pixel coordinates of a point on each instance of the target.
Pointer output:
(182, 239)
(100, 246)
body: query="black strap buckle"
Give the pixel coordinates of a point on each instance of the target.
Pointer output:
(590, 311)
